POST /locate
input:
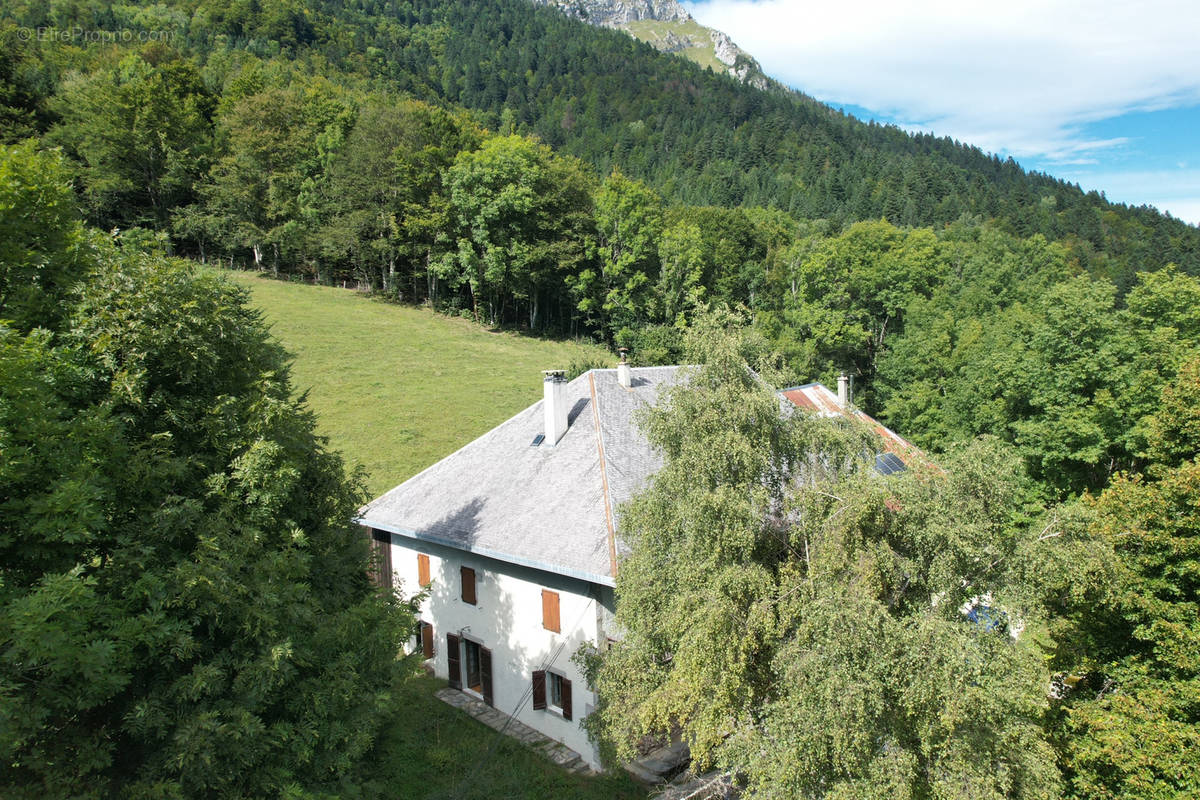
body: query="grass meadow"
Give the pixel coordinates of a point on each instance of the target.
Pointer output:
(397, 388)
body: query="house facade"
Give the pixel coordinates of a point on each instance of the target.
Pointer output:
(513, 540)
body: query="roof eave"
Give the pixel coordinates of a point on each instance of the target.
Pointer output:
(603, 580)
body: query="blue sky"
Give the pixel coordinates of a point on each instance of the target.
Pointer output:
(1106, 95)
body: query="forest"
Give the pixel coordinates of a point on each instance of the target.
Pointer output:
(504, 163)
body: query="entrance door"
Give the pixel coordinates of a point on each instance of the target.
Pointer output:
(477, 669)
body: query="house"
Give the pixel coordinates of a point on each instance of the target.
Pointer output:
(895, 453)
(514, 539)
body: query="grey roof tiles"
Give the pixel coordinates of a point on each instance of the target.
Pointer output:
(543, 506)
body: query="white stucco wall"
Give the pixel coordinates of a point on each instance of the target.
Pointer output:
(507, 619)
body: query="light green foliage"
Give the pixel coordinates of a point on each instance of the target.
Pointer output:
(184, 609)
(522, 220)
(390, 220)
(1059, 365)
(264, 192)
(845, 295)
(680, 287)
(798, 618)
(629, 227)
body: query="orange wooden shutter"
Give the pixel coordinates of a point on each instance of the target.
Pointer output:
(550, 611)
(423, 570)
(468, 585)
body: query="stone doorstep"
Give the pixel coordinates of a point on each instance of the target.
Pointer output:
(659, 766)
(557, 752)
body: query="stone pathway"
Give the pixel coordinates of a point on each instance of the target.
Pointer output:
(559, 753)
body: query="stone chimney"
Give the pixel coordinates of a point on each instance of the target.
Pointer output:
(554, 404)
(845, 392)
(624, 372)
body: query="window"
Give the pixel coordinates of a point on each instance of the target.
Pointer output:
(550, 610)
(552, 691)
(423, 570)
(468, 585)
(555, 682)
(471, 665)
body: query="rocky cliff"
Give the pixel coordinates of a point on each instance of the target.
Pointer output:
(668, 26)
(617, 13)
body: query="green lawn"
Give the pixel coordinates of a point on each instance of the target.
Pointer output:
(397, 388)
(432, 751)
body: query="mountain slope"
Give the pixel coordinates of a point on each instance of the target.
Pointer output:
(697, 137)
(668, 27)
(703, 139)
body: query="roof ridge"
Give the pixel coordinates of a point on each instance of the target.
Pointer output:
(608, 513)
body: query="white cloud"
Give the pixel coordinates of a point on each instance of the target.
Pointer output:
(1021, 77)
(1174, 190)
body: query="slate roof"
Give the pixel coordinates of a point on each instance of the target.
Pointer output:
(552, 508)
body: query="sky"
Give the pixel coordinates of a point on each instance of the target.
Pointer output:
(1103, 94)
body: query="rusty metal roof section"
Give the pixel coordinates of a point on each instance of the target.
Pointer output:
(816, 397)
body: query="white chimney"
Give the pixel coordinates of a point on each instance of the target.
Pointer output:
(624, 373)
(845, 398)
(554, 404)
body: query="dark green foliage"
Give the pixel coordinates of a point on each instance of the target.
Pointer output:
(43, 248)
(24, 88)
(1132, 721)
(185, 609)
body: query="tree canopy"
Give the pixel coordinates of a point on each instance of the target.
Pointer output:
(184, 607)
(821, 631)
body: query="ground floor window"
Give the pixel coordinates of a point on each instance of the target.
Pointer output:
(552, 691)
(555, 685)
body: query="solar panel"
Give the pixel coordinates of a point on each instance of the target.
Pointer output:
(888, 464)
(538, 440)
